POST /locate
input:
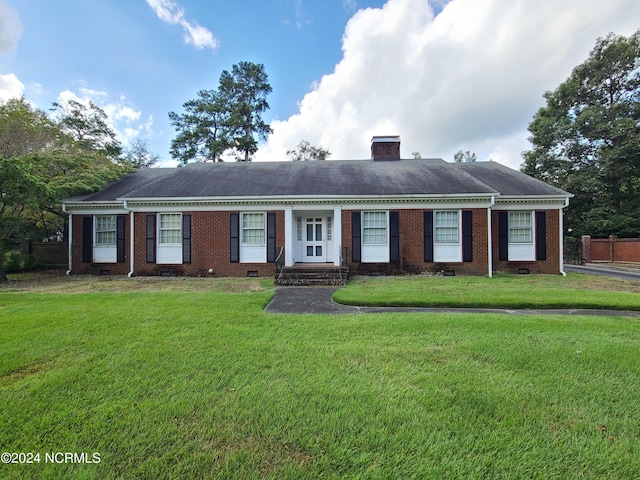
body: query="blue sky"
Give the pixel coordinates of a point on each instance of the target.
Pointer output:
(462, 74)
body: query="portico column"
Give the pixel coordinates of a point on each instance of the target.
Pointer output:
(288, 236)
(337, 235)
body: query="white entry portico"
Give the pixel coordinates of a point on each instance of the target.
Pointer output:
(312, 235)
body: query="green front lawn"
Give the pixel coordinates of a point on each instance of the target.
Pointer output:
(201, 383)
(502, 291)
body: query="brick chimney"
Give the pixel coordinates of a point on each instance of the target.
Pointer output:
(385, 148)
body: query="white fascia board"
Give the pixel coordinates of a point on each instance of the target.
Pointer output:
(531, 202)
(94, 208)
(316, 202)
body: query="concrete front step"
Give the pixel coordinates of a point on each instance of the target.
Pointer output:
(299, 276)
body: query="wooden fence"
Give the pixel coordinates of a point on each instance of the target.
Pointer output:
(47, 254)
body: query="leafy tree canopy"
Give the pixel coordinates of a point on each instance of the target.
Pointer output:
(586, 139)
(229, 118)
(87, 127)
(467, 156)
(43, 160)
(304, 151)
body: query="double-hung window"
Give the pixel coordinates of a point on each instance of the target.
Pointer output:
(253, 229)
(170, 229)
(104, 239)
(253, 248)
(520, 227)
(446, 227)
(521, 236)
(170, 238)
(375, 237)
(447, 243)
(105, 230)
(374, 228)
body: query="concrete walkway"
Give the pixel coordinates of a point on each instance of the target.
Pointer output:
(317, 300)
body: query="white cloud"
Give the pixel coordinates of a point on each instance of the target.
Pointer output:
(194, 34)
(10, 27)
(470, 77)
(122, 117)
(10, 87)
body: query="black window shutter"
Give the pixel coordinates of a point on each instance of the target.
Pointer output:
(271, 237)
(356, 237)
(394, 237)
(234, 238)
(186, 238)
(467, 236)
(120, 222)
(541, 235)
(503, 236)
(151, 238)
(87, 239)
(428, 236)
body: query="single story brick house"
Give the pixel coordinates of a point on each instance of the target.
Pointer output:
(384, 215)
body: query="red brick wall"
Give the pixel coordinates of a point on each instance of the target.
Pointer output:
(78, 267)
(210, 232)
(549, 266)
(412, 247)
(385, 150)
(612, 249)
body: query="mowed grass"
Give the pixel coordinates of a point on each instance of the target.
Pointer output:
(574, 291)
(201, 383)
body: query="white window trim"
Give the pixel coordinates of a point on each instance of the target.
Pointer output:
(522, 251)
(386, 227)
(159, 229)
(375, 252)
(264, 230)
(458, 240)
(253, 252)
(95, 231)
(168, 253)
(448, 251)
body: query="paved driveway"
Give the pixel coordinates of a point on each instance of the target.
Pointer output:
(606, 269)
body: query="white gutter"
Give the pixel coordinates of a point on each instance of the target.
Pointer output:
(561, 236)
(69, 239)
(489, 239)
(131, 257)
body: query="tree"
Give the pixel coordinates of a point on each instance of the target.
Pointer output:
(87, 127)
(137, 154)
(586, 139)
(246, 89)
(24, 129)
(224, 119)
(18, 192)
(416, 155)
(203, 131)
(467, 156)
(304, 151)
(44, 160)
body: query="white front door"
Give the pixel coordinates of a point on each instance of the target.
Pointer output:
(314, 248)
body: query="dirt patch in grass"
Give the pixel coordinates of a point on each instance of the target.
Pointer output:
(55, 281)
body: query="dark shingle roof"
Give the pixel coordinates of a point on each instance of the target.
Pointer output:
(324, 178)
(507, 181)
